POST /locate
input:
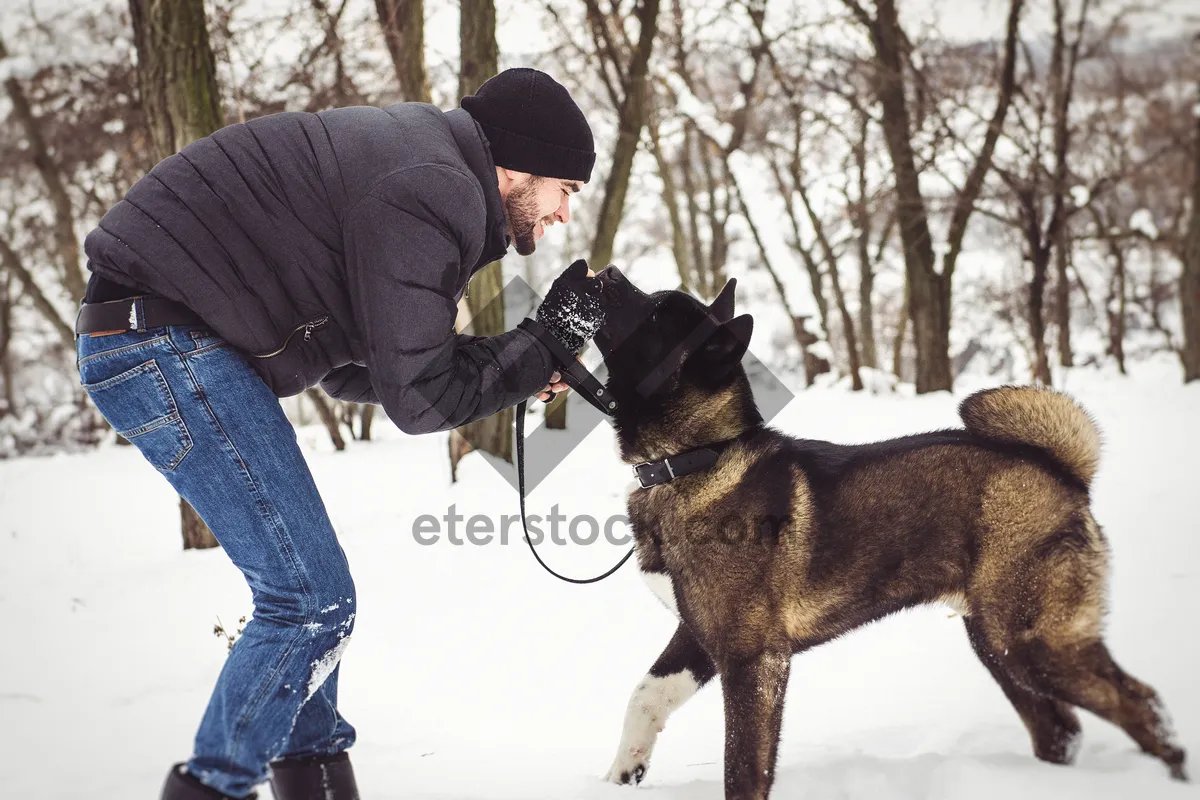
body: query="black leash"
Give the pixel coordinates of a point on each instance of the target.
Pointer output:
(521, 484)
(577, 376)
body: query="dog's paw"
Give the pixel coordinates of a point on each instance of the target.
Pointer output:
(628, 768)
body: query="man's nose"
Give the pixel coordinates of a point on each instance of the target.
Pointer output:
(563, 213)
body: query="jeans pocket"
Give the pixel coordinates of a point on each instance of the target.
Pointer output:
(139, 406)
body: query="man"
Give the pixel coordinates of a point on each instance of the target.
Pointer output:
(302, 249)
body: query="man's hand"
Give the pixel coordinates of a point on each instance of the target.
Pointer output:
(556, 385)
(552, 388)
(571, 311)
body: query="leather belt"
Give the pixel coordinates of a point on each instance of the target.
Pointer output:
(133, 314)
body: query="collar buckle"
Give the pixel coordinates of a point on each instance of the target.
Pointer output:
(648, 472)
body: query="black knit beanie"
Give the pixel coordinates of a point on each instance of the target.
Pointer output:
(532, 125)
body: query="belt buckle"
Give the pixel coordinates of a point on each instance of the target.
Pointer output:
(637, 470)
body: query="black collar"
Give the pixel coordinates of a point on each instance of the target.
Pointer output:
(665, 470)
(478, 155)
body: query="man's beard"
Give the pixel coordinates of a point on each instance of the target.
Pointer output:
(521, 209)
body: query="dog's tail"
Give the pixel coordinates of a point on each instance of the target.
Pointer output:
(1040, 417)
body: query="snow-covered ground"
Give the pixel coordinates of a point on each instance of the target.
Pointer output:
(473, 674)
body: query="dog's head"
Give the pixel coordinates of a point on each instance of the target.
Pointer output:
(673, 362)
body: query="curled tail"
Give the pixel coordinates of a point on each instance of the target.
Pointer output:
(1037, 416)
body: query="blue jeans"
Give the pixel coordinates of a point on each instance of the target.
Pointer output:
(203, 418)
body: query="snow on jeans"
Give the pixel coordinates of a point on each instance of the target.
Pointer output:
(204, 419)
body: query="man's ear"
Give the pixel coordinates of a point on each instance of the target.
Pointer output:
(722, 307)
(725, 348)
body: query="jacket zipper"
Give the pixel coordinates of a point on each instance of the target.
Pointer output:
(307, 327)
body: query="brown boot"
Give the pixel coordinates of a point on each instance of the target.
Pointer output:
(314, 778)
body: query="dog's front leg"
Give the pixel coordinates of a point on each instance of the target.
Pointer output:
(678, 674)
(754, 690)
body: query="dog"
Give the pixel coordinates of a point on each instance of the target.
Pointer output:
(769, 545)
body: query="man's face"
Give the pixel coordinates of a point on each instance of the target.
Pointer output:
(534, 204)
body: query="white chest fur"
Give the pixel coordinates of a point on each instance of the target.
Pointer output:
(664, 589)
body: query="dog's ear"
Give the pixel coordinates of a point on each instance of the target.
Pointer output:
(722, 307)
(724, 349)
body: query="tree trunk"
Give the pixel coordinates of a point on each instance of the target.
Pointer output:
(486, 302)
(556, 413)
(699, 270)
(718, 249)
(403, 23)
(176, 73)
(196, 535)
(1037, 319)
(321, 403)
(479, 56)
(929, 289)
(679, 243)
(831, 263)
(6, 370)
(366, 417)
(1062, 298)
(349, 414)
(1189, 280)
(1116, 306)
(898, 342)
(630, 120)
(64, 218)
(178, 86)
(866, 312)
(861, 214)
(925, 293)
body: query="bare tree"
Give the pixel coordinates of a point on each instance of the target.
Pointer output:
(6, 367)
(479, 54)
(929, 286)
(178, 87)
(176, 73)
(479, 57)
(624, 70)
(793, 182)
(341, 89)
(13, 262)
(51, 175)
(1041, 191)
(1189, 281)
(328, 417)
(403, 23)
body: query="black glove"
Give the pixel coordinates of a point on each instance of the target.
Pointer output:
(571, 311)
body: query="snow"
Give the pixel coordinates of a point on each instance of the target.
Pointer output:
(1080, 195)
(20, 67)
(474, 674)
(1142, 221)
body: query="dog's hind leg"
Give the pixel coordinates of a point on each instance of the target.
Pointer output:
(678, 674)
(1085, 675)
(1052, 724)
(754, 691)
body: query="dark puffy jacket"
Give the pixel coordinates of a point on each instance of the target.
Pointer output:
(331, 248)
